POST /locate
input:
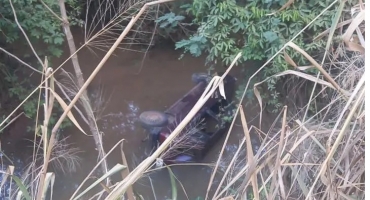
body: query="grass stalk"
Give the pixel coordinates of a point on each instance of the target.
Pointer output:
(139, 170)
(338, 140)
(250, 156)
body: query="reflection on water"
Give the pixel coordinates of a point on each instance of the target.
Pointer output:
(120, 123)
(162, 81)
(19, 166)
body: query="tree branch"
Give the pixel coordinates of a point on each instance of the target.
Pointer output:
(24, 33)
(21, 61)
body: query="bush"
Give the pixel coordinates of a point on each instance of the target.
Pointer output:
(258, 30)
(42, 28)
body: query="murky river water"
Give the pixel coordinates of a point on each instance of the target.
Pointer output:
(162, 79)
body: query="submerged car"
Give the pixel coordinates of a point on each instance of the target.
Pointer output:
(202, 132)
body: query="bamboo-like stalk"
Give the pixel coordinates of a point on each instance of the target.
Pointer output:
(80, 81)
(88, 81)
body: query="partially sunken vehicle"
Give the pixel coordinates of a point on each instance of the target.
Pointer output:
(202, 132)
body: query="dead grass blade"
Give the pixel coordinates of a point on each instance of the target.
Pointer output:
(352, 46)
(9, 172)
(69, 113)
(227, 198)
(106, 188)
(338, 140)
(277, 168)
(175, 178)
(300, 181)
(250, 156)
(305, 76)
(221, 153)
(303, 68)
(125, 172)
(259, 98)
(52, 88)
(49, 181)
(229, 167)
(348, 35)
(319, 67)
(339, 25)
(40, 194)
(289, 60)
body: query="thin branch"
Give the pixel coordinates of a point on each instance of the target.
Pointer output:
(51, 11)
(11, 121)
(24, 33)
(21, 61)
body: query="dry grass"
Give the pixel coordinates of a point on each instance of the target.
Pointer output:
(185, 141)
(319, 156)
(110, 18)
(40, 178)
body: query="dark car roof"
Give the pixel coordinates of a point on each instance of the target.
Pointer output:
(178, 111)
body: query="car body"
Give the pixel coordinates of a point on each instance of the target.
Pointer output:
(205, 129)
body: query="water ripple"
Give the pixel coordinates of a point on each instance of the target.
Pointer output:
(121, 123)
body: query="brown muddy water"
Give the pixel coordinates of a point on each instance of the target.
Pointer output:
(161, 80)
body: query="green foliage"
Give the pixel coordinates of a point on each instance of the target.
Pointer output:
(169, 20)
(43, 30)
(18, 90)
(38, 22)
(226, 28)
(195, 45)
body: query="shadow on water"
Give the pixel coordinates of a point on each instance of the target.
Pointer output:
(162, 80)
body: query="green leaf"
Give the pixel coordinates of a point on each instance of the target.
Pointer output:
(173, 184)
(195, 50)
(270, 36)
(22, 187)
(58, 40)
(115, 169)
(181, 44)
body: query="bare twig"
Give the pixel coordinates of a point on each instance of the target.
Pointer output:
(24, 34)
(51, 11)
(21, 61)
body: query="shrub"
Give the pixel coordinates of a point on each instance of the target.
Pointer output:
(257, 29)
(42, 28)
